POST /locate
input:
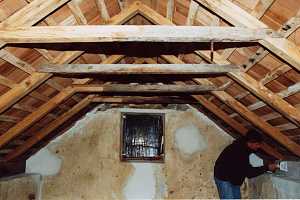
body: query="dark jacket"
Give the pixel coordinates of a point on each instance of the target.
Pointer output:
(233, 164)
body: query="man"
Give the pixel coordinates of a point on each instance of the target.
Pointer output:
(233, 166)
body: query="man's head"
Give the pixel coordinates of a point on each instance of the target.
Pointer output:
(254, 140)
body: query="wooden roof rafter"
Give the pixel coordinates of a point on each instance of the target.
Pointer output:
(36, 79)
(155, 18)
(233, 14)
(74, 56)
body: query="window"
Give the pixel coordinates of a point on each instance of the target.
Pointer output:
(142, 137)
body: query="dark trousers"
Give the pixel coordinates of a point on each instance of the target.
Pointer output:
(227, 190)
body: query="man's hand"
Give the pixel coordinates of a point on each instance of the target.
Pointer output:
(273, 167)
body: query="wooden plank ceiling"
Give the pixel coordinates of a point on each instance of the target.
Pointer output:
(251, 79)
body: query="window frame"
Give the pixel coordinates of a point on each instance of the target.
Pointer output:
(142, 160)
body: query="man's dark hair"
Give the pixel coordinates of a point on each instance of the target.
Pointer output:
(253, 136)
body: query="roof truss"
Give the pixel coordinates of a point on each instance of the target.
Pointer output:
(157, 19)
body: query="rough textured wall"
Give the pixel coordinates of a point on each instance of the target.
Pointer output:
(17, 189)
(273, 187)
(91, 168)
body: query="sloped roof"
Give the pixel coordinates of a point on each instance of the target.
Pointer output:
(265, 95)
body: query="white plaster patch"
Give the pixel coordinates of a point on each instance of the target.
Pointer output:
(142, 184)
(286, 189)
(189, 140)
(208, 121)
(255, 161)
(44, 163)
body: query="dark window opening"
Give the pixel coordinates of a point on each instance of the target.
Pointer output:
(142, 137)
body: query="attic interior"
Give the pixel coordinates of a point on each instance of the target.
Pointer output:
(76, 76)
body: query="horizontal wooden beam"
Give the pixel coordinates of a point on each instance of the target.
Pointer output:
(246, 113)
(131, 33)
(172, 69)
(135, 88)
(31, 14)
(270, 98)
(235, 15)
(144, 100)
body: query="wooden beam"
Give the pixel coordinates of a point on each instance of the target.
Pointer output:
(76, 11)
(132, 33)
(36, 79)
(31, 14)
(136, 88)
(193, 9)
(35, 116)
(235, 15)
(235, 125)
(291, 90)
(170, 9)
(246, 113)
(48, 129)
(158, 19)
(27, 68)
(272, 99)
(143, 100)
(286, 30)
(221, 114)
(253, 118)
(171, 69)
(269, 97)
(20, 90)
(102, 9)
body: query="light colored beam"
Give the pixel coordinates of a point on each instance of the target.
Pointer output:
(246, 113)
(272, 99)
(170, 9)
(172, 69)
(155, 18)
(132, 33)
(77, 13)
(102, 10)
(31, 14)
(235, 15)
(36, 79)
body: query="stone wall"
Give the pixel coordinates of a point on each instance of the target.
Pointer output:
(90, 166)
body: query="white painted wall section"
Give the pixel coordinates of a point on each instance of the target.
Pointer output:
(189, 140)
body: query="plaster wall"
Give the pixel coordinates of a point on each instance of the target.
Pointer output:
(271, 186)
(84, 163)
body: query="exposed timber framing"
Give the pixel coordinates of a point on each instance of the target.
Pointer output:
(114, 88)
(246, 113)
(155, 18)
(137, 88)
(221, 114)
(235, 15)
(144, 100)
(270, 98)
(172, 69)
(170, 9)
(132, 33)
(235, 125)
(47, 130)
(36, 79)
(102, 10)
